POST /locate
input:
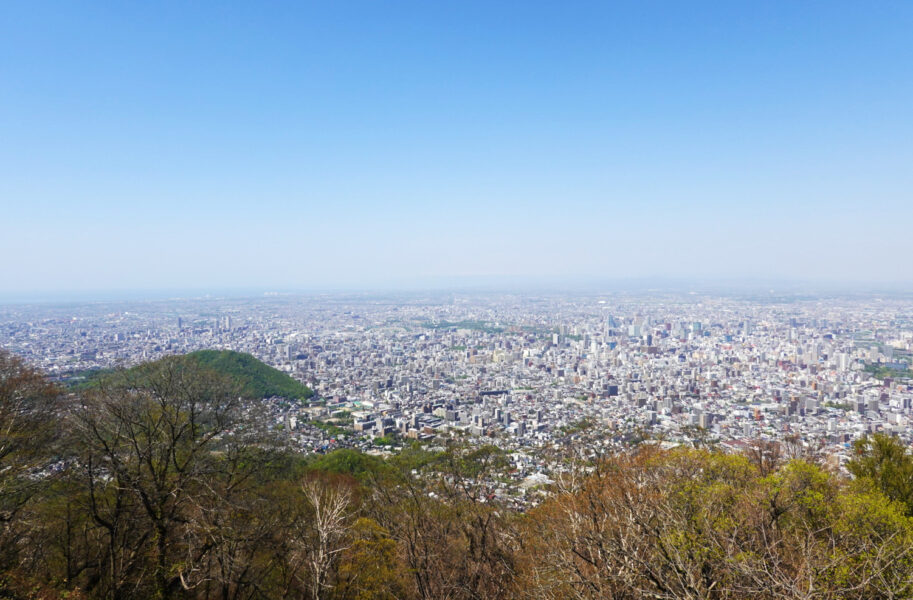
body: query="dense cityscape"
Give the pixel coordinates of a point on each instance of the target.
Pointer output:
(525, 372)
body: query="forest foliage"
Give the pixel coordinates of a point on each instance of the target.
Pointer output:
(150, 485)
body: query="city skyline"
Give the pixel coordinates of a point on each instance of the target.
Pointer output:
(518, 370)
(403, 146)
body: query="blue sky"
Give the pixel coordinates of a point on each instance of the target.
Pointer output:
(290, 145)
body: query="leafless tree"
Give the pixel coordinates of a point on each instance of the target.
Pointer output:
(324, 536)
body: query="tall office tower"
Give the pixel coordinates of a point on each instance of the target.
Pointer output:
(811, 354)
(842, 361)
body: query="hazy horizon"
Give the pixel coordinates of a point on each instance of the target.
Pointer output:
(472, 286)
(368, 146)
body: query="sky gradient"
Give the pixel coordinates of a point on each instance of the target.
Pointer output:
(180, 145)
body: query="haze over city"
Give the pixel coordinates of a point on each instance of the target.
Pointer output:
(352, 145)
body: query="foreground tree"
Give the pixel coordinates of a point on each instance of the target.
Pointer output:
(453, 538)
(324, 533)
(886, 463)
(146, 441)
(697, 524)
(28, 413)
(368, 569)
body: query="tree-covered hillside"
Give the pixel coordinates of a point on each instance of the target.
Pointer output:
(254, 378)
(257, 379)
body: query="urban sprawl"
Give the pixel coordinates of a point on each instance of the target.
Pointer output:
(524, 372)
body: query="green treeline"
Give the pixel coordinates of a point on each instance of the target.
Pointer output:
(152, 484)
(882, 371)
(482, 326)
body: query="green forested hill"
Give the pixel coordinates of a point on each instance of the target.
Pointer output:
(258, 380)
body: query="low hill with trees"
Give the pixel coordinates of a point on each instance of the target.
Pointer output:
(253, 378)
(257, 379)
